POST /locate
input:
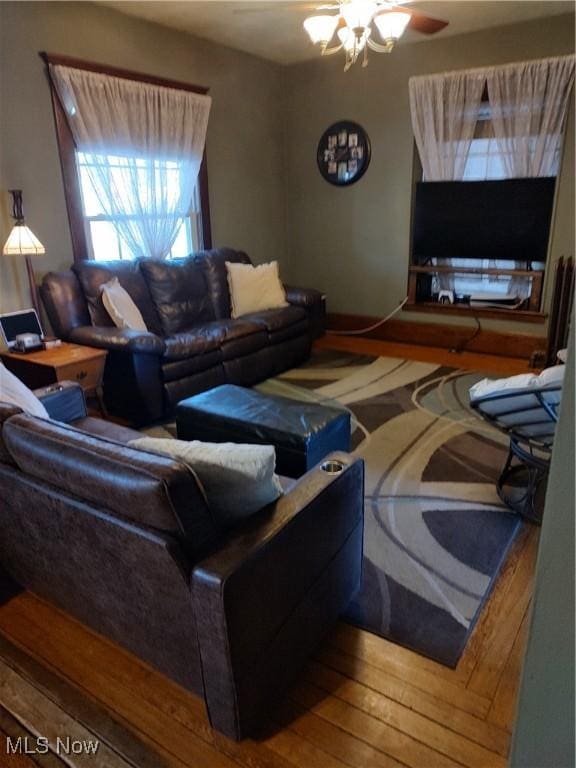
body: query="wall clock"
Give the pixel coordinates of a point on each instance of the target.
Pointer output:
(343, 153)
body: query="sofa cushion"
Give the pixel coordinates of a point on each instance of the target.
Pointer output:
(217, 334)
(213, 264)
(173, 370)
(178, 290)
(92, 276)
(195, 341)
(241, 337)
(151, 490)
(275, 320)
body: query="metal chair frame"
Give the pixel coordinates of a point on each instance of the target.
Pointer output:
(528, 460)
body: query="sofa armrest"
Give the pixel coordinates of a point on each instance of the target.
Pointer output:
(302, 297)
(117, 339)
(264, 601)
(314, 303)
(64, 401)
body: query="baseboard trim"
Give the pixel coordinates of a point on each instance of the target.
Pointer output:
(488, 342)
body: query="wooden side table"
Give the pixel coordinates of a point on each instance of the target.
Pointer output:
(68, 362)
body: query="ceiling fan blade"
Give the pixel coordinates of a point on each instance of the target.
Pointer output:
(426, 25)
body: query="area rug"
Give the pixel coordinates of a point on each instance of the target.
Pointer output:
(436, 533)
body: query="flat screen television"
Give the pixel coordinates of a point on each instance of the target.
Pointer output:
(507, 219)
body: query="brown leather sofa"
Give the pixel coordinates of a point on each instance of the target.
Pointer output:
(192, 344)
(125, 541)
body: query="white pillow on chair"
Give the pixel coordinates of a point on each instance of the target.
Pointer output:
(513, 404)
(15, 392)
(253, 289)
(522, 383)
(121, 307)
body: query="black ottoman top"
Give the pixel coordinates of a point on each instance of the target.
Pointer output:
(280, 419)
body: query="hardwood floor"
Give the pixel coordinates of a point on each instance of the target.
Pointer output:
(362, 702)
(497, 366)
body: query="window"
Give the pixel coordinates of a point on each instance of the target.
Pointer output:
(485, 159)
(102, 238)
(92, 231)
(485, 162)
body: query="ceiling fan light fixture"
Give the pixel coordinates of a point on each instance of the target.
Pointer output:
(351, 29)
(351, 41)
(320, 29)
(391, 24)
(358, 13)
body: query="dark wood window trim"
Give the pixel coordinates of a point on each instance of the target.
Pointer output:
(67, 150)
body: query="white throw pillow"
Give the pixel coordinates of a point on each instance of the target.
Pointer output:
(120, 306)
(253, 289)
(13, 391)
(523, 382)
(238, 479)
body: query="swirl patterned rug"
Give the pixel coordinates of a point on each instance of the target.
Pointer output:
(436, 533)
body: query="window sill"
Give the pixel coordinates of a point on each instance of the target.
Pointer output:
(461, 310)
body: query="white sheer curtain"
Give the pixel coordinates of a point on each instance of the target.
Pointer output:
(445, 110)
(144, 145)
(528, 102)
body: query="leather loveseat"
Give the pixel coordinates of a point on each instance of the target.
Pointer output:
(192, 344)
(125, 541)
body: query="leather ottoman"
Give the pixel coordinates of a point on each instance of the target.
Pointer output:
(303, 433)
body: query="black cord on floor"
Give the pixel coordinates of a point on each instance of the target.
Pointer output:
(463, 344)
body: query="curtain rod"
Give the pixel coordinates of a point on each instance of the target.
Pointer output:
(491, 68)
(125, 74)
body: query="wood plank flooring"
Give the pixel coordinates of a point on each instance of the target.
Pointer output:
(499, 366)
(362, 702)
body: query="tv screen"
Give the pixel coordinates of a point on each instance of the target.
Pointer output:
(483, 219)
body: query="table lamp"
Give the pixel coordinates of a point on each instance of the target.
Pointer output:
(23, 242)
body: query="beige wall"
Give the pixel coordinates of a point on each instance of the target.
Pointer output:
(244, 143)
(265, 191)
(354, 242)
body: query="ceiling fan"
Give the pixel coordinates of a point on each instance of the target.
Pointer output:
(348, 26)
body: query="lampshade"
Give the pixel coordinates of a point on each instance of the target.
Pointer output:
(320, 28)
(22, 242)
(358, 15)
(391, 24)
(350, 41)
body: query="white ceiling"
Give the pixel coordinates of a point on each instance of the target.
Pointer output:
(272, 29)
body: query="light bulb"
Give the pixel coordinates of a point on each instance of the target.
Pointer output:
(358, 13)
(320, 28)
(391, 24)
(350, 41)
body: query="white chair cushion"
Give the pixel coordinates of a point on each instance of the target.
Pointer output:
(522, 383)
(120, 306)
(253, 289)
(513, 402)
(239, 480)
(15, 392)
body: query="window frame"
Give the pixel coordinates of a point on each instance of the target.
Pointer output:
(81, 248)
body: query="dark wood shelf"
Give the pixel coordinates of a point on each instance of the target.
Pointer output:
(531, 315)
(463, 310)
(535, 273)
